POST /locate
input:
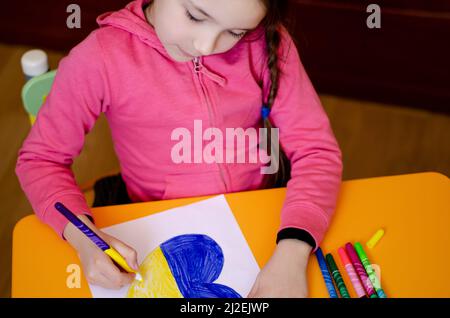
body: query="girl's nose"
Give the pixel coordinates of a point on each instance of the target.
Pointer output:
(206, 45)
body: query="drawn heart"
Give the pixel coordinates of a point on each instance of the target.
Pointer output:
(184, 266)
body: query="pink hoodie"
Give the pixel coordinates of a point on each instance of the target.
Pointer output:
(123, 70)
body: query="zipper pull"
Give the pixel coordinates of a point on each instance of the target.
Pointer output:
(197, 65)
(199, 68)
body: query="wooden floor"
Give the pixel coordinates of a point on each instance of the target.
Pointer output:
(376, 140)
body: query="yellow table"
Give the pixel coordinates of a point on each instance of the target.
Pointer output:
(414, 211)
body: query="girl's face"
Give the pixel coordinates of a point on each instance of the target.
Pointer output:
(190, 28)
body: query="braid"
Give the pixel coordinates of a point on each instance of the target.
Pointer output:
(273, 40)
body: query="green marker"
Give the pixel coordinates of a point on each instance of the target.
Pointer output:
(337, 276)
(370, 271)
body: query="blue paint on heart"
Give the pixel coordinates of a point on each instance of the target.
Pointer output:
(196, 261)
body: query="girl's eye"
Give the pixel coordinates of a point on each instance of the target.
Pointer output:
(240, 35)
(191, 17)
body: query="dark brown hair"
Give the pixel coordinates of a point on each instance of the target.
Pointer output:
(277, 15)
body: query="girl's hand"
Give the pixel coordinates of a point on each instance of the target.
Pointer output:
(98, 267)
(284, 276)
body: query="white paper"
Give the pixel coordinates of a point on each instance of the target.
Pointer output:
(212, 217)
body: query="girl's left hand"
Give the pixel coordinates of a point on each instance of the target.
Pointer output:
(284, 275)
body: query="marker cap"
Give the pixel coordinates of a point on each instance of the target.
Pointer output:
(343, 255)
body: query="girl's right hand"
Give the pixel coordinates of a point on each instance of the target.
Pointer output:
(98, 267)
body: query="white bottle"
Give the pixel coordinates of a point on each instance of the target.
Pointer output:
(34, 63)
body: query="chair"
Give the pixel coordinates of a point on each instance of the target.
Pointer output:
(34, 93)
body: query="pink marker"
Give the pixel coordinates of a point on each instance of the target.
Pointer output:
(359, 268)
(359, 289)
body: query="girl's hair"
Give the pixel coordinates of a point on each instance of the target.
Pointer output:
(277, 15)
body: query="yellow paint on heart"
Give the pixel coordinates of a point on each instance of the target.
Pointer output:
(158, 281)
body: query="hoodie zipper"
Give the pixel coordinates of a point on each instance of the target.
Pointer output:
(199, 68)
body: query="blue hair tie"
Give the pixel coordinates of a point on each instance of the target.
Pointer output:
(265, 112)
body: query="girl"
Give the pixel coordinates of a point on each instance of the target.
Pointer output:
(156, 66)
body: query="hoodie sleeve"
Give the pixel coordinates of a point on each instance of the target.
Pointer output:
(78, 96)
(309, 143)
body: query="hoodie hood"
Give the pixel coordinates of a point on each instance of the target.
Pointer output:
(132, 19)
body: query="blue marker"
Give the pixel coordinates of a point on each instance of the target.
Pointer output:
(326, 274)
